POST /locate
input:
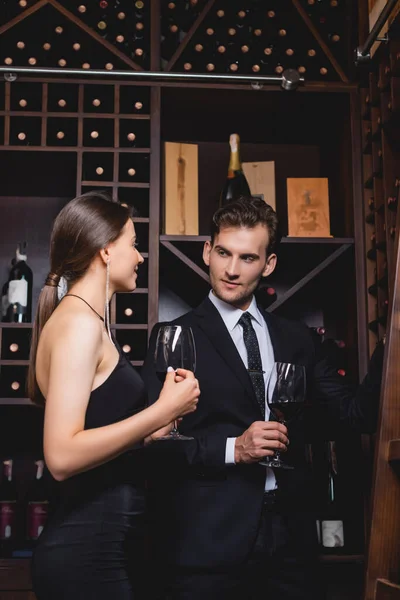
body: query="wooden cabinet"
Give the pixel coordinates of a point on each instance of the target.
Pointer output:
(15, 580)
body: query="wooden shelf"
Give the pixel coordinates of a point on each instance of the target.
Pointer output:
(16, 325)
(88, 149)
(14, 363)
(72, 115)
(15, 402)
(284, 240)
(342, 558)
(115, 184)
(385, 590)
(394, 451)
(129, 326)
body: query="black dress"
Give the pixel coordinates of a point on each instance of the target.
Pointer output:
(94, 537)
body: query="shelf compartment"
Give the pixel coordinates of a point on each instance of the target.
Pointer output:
(15, 344)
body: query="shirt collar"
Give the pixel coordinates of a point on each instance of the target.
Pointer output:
(231, 315)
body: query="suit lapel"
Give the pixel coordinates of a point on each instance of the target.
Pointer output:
(212, 324)
(275, 335)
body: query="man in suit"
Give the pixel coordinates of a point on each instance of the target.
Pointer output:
(223, 526)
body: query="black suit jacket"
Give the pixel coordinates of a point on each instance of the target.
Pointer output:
(206, 513)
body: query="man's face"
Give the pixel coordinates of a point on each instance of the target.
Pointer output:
(237, 261)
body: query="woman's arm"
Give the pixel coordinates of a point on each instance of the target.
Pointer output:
(68, 448)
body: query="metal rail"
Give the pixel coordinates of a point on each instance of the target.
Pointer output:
(362, 53)
(289, 80)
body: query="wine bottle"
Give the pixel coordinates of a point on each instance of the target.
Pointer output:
(236, 183)
(36, 504)
(4, 296)
(20, 288)
(332, 530)
(8, 509)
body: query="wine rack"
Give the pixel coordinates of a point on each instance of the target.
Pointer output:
(112, 152)
(381, 184)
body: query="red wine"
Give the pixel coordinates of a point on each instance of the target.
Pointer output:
(285, 411)
(236, 183)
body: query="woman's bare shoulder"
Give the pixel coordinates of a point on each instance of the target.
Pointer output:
(72, 330)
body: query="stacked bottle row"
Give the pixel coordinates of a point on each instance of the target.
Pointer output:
(252, 38)
(118, 36)
(380, 114)
(71, 115)
(22, 519)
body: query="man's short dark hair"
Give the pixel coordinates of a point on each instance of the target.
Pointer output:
(248, 211)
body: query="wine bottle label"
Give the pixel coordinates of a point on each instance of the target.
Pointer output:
(332, 534)
(18, 292)
(7, 519)
(37, 516)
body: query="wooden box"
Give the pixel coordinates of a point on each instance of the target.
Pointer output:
(308, 207)
(261, 179)
(181, 209)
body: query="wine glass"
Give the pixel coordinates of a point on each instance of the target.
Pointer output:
(286, 391)
(175, 348)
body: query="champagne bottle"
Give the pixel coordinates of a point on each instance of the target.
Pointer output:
(36, 504)
(332, 531)
(20, 289)
(236, 183)
(8, 509)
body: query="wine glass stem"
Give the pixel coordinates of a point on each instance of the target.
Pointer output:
(278, 452)
(174, 430)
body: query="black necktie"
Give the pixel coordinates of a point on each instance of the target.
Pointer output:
(253, 360)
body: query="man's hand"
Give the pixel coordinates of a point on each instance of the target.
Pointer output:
(261, 439)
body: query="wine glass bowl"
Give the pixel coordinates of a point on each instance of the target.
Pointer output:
(286, 391)
(175, 347)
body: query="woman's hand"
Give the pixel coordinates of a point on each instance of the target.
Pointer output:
(180, 392)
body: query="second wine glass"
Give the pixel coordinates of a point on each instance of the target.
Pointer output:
(286, 391)
(175, 347)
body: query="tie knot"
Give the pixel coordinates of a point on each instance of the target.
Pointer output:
(245, 320)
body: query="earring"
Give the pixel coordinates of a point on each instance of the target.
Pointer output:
(107, 303)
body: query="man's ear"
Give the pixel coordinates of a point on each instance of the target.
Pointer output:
(270, 265)
(206, 252)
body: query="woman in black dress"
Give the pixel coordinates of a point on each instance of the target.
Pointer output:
(95, 421)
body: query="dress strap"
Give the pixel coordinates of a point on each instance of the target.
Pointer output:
(83, 300)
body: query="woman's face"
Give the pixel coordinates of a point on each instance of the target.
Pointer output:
(125, 259)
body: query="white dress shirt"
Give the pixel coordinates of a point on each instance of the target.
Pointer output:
(231, 315)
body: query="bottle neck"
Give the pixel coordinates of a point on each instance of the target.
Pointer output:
(7, 470)
(234, 161)
(20, 257)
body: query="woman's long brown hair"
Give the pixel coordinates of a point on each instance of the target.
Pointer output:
(83, 227)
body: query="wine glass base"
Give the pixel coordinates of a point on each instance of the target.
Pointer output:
(174, 436)
(277, 464)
